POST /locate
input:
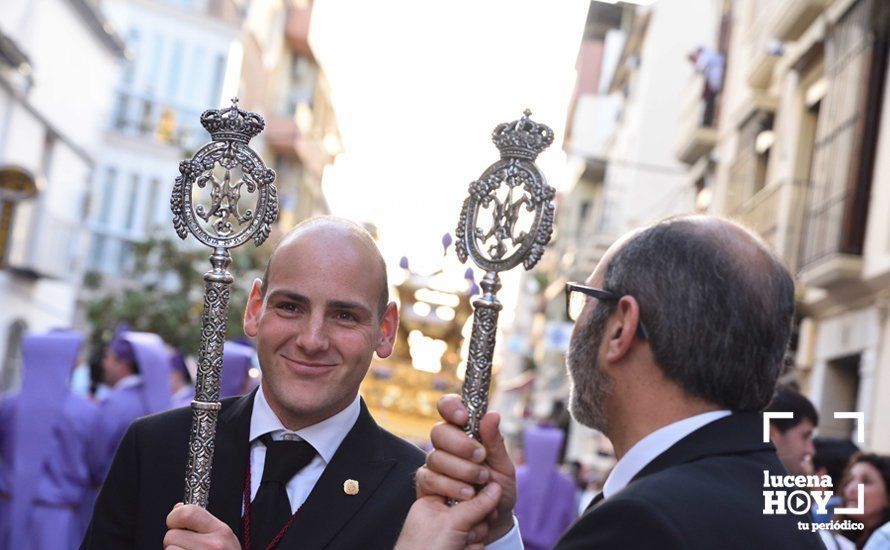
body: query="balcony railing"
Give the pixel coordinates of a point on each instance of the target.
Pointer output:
(788, 19)
(52, 251)
(776, 214)
(143, 116)
(697, 133)
(826, 257)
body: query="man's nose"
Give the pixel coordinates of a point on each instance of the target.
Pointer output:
(313, 336)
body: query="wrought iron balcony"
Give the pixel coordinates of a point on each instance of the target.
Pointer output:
(141, 115)
(830, 251)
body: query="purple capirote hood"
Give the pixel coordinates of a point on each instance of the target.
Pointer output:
(48, 359)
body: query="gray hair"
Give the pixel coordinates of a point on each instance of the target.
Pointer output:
(716, 303)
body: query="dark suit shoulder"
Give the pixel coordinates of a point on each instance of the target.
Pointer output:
(630, 522)
(402, 450)
(715, 501)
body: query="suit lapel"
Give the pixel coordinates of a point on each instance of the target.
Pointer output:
(328, 508)
(230, 461)
(596, 500)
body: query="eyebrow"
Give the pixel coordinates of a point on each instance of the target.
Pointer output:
(333, 304)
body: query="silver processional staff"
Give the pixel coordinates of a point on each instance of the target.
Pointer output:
(506, 220)
(230, 172)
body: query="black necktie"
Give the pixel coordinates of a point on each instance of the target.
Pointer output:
(271, 508)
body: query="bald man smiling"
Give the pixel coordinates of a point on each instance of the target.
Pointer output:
(299, 462)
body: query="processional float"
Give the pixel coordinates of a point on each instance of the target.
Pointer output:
(230, 172)
(506, 220)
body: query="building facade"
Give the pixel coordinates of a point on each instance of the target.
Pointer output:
(54, 98)
(282, 79)
(802, 158)
(185, 58)
(633, 80)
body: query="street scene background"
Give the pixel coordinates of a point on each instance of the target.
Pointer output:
(769, 112)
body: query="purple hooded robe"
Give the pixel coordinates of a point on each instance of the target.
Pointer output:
(545, 499)
(45, 431)
(125, 404)
(237, 360)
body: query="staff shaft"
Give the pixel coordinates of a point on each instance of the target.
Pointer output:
(206, 405)
(475, 389)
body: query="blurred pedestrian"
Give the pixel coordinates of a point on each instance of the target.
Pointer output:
(872, 472)
(831, 459)
(136, 367)
(181, 385)
(237, 362)
(45, 431)
(545, 497)
(709, 63)
(793, 437)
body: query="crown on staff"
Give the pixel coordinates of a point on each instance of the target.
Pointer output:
(523, 138)
(232, 123)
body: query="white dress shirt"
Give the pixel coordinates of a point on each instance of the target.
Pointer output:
(637, 458)
(646, 449)
(325, 437)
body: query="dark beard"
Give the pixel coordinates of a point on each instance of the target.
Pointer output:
(590, 386)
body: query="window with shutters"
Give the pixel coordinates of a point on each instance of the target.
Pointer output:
(846, 134)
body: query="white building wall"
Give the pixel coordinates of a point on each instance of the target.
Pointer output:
(645, 181)
(51, 131)
(183, 59)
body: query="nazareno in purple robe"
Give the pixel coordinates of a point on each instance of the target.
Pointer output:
(545, 497)
(237, 360)
(125, 404)
(45, 431)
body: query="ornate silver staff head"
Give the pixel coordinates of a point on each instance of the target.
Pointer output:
(224, 196)
(506, 220)
(225, 222)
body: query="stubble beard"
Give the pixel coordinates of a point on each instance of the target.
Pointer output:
(590, 385)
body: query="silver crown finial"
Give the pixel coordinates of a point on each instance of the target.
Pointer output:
(523, 138)
(232, 123)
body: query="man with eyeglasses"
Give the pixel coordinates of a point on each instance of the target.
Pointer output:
(680, 335)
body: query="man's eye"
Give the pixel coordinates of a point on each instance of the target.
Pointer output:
(288, 307)
(346, 316)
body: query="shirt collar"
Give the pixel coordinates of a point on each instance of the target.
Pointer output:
(128, 382)
(325, 436)
(646, 449)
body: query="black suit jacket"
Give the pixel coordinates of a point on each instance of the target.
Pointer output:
(147, 478)
(706, 491)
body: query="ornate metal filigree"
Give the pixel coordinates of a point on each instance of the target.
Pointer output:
(507, 219)
(230, 171)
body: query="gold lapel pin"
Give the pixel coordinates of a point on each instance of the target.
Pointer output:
(350, 487)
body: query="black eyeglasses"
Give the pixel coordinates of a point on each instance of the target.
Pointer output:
(576, 298)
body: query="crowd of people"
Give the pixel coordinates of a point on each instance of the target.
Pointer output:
(57, 444)
(679, 341)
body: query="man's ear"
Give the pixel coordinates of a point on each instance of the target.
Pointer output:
(622, 328)
(254, 309)
(389, 326)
